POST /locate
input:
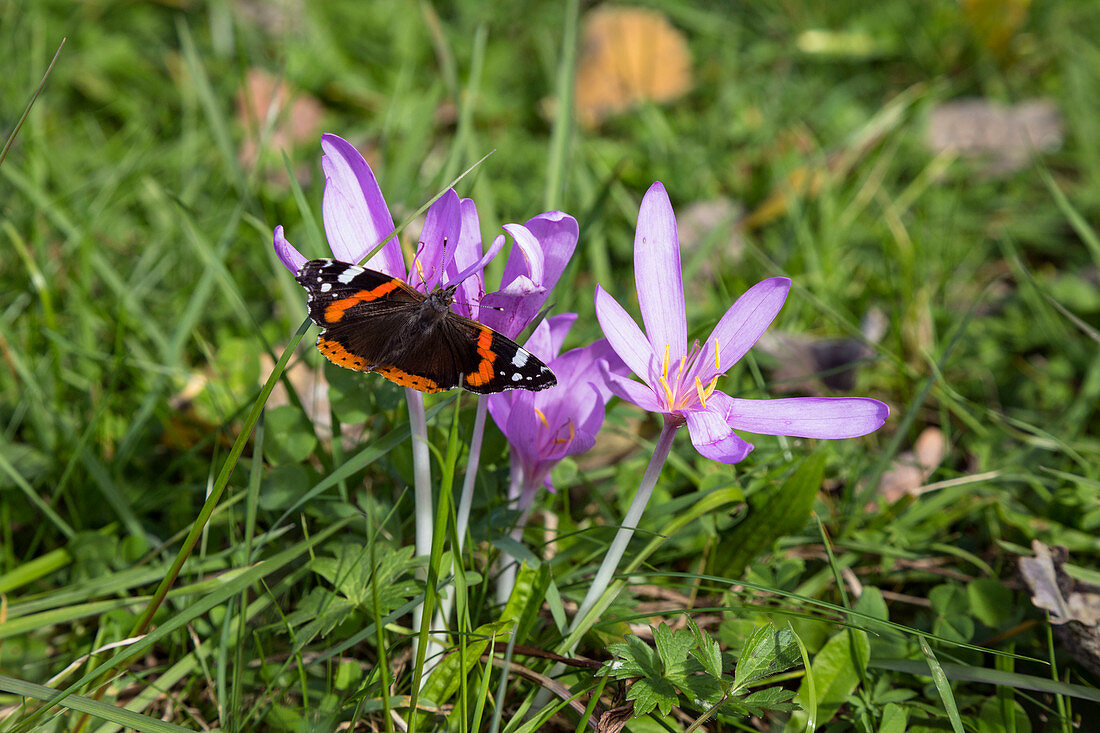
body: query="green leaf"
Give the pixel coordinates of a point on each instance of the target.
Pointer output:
(649, 693)
(894, 719)
(767, 651)
(635, 659)
(942, 686)
(708, 652)
(990, 602)
(672, 646)
(96, 708)
(289, 436)
(992, 718)
(446, 677)
(762, 701)
(772, 514)
(949, 600)
(836, 670)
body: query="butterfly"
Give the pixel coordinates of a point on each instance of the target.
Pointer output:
(373, 322)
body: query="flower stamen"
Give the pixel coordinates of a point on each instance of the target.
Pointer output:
(703, 394)
(541, 417)
(669, 395)
(568, 440)
(717, 361)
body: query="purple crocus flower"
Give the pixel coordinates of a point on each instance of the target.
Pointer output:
(356, 219)
(544, 427)
(680, 382)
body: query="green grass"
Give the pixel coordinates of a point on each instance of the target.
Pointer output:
(140, 260)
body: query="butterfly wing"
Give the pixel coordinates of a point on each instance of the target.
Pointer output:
(490, 361)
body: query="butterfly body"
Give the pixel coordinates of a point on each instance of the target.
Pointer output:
(376, 323)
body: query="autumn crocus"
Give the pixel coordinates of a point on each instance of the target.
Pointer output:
(680, 382)
(357, 220)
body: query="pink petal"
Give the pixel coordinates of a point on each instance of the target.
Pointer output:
(467, 253)
(290, 257)
(500, 407)
(742, 325)
(545, 341)
(633, 392)
(354, 212)
(472, 274)
(529, 249)
(559, 329)
(625, 337)
(657, 274)
(441, 234)
(712, 436)
(807, 417)
(557, 234)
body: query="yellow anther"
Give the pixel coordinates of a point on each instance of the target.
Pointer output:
(710, 387)
(541, 417)
(568, 440)
(664, 364)
(668, 391)
(701, 392)
(680, 371)
(717, 361)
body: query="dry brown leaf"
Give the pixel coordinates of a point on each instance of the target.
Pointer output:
(1074, 607)
(805, 364)
(298, 116)
(628, 56)
(912, 468)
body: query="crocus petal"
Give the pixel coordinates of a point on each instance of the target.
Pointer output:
(559, 329)
(631, 391)
(807, 417)
(473, 272)
(467, 253)
(529, 249)
(741, 326)
(500, 407)
(522, 428)
(355, 214)
(291, 258)
(557, 234)
(712, 437)
(625, 337)
(657, 274)
(540, 342)
(442, 230)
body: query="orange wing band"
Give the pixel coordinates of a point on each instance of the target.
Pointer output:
(337, 308)
(485, 367)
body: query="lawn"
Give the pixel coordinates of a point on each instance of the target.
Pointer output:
(206, 525)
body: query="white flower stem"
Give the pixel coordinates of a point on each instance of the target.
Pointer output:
(422, 497)
(617, 549)
(506, 581)
(630, 522)
(462, 519)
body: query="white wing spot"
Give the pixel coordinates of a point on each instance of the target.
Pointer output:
(517, 376)
(325, 287)
(346, 276)
(319, 278)
(520, 358)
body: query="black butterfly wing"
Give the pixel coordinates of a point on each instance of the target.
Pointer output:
(340, 293)
(490, 361)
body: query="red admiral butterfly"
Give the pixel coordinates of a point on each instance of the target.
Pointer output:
(376, 323)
